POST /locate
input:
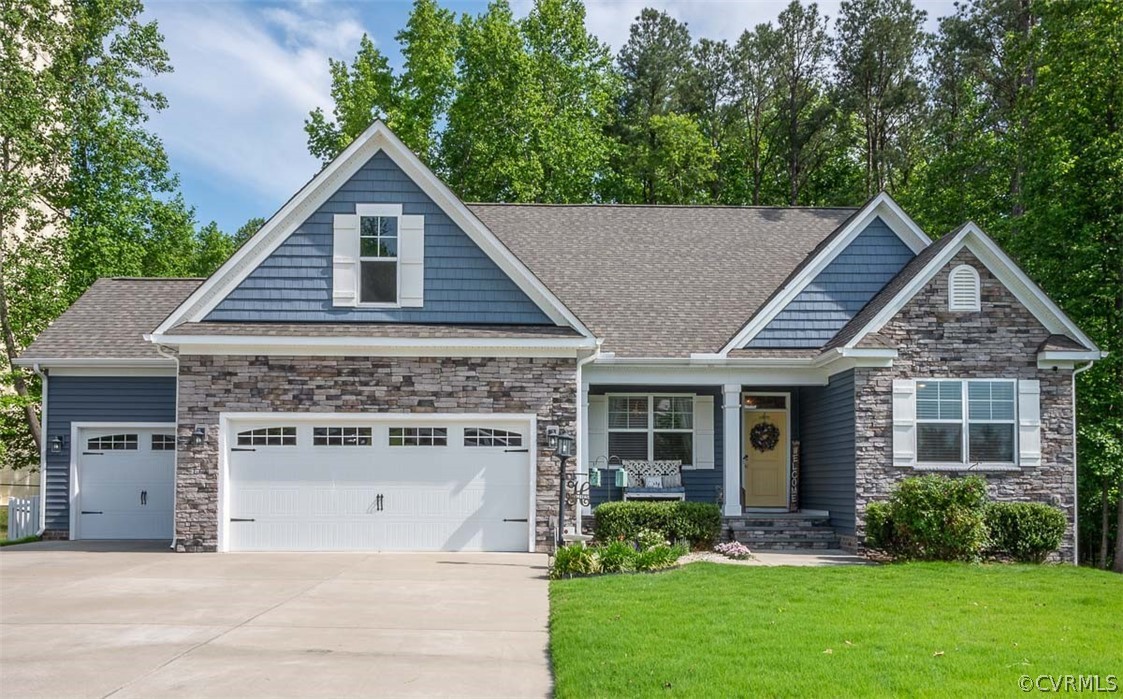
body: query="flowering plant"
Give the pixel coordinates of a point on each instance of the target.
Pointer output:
(733, 549)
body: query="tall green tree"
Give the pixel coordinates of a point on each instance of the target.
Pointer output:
(682, 161)
(756, 95)
(707, 93)
(428, 80)
(653, 65)
(879, 45)
(805, 114)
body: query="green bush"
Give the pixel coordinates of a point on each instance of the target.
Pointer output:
(617, 557)
(698, 523)
(659, 557)
(933, 518)
(1026, 531)
(572, 560)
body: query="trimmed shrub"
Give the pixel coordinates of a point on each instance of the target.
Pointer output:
(698, 523)
(617, 557)
(1025, 531)
(573, 560)
(932, 518)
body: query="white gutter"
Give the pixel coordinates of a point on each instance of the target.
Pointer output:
(1076, 469)
(582, 430)
(535, 343)
(93, 361)
(42, 451)
(162, 351)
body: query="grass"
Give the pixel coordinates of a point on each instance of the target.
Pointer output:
(925, 629)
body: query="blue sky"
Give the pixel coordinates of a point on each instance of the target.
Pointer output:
(247, 74)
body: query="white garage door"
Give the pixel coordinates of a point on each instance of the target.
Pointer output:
(345, 486)
(125, 483)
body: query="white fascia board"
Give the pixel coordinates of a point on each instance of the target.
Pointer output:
(1070, 356)
(375, 346)
(168, 369)
(97, 362)
(880, 206)
(1001, 266)
(277, 229)
(711, 375)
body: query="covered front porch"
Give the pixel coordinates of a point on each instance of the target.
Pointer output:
(777, 458)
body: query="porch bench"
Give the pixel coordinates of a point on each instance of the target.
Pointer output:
(642, 476)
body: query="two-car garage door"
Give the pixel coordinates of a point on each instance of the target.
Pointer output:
(344, 484)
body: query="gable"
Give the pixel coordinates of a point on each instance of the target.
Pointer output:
(462, 283)
(839, 291)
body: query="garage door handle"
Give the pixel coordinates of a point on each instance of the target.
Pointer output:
(93, 453)
(524, 519)
(242, 519)
(92, 512)
(242, 449)
(522, 451)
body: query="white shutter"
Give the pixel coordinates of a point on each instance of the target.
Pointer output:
(904, 422)
(1029, 423)
(411, 261)
(345, 261)
(598, 431)
(703, 432)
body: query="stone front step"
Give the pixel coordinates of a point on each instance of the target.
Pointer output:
(781, 532)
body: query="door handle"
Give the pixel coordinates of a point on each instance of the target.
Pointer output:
(144, 497)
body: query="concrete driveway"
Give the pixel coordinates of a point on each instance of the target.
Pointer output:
(82, 620)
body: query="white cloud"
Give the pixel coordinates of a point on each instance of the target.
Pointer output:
(245, 78)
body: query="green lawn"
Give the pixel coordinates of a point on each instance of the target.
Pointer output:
(710, 630)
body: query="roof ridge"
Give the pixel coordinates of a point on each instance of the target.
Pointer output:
(594, 205)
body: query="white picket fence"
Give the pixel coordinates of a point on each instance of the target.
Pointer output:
(23, 517)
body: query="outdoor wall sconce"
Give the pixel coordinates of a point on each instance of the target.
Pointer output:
(199, 435)
(57, 444)
(552, 433)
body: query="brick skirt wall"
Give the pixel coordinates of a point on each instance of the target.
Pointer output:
(212, 384)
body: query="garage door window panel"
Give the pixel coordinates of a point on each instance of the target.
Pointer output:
(163, 442)
(342, 436)
(114, 442)
(418, 437)
(487, 437)
(268, 437)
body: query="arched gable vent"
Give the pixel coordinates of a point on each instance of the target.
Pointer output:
(963, 289)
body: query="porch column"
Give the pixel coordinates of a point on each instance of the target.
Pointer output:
(732, 453)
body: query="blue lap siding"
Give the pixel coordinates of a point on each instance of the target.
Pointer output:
(95, 399)
(462, 284)
(828, 450)
(839, 291)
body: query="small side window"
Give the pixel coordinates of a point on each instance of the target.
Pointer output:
(486, 437)
(163, 442)
(113, 442)
(963, 289)
(268, 437)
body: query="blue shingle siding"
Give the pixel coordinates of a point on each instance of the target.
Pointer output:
(96, 399)
(828, 464)
(702, 485)
(462, 284)
(839, 291)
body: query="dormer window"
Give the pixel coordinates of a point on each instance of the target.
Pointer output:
(378, 259)
(963, 289)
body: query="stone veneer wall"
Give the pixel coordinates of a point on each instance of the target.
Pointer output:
(1001, 341)
(210, 385)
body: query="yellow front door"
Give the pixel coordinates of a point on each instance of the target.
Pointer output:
(766, 469)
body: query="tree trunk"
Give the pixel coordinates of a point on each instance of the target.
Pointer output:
(1118, 567)
(1105, 512)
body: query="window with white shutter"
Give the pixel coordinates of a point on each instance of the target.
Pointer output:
(378, 257)
(963, 289)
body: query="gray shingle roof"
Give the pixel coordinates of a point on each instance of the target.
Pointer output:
(110, 319)
(374, 330)
(661, 281)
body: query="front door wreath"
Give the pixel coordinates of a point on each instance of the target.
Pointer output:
(764, 436)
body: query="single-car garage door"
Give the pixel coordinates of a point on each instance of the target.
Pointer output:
(340, 484)
(125, 483)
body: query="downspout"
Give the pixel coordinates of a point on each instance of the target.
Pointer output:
(1075, 470)
(42, 450)
(582, 428)
(162, 350)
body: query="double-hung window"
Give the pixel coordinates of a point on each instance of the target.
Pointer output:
(971, 421)
(654, 428)
(378, 259)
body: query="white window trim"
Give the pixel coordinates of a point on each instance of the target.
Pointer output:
(650, 429)
(965, 438)
(379, 211)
